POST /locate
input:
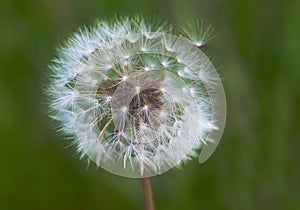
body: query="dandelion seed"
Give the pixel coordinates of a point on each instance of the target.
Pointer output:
(137, 98)
(197, 33)
(124, 78)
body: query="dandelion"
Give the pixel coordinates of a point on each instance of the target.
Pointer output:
(138, 99)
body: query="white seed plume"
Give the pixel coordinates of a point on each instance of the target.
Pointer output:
(137, 99)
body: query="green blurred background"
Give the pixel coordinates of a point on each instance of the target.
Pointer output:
(256, 165)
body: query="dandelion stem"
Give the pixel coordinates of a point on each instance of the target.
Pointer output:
(147, 194)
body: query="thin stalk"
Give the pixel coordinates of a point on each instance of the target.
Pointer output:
(147, 194)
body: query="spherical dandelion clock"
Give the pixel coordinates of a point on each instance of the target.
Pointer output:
(138, 99)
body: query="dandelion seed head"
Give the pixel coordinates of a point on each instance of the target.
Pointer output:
(137, 98)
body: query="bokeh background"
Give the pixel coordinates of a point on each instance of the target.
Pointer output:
(256, 165)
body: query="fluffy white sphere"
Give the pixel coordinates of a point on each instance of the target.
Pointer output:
(136, 98)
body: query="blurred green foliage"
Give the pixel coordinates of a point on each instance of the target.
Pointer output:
(256, 165)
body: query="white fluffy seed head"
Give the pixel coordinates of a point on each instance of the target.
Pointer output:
(137, 99)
